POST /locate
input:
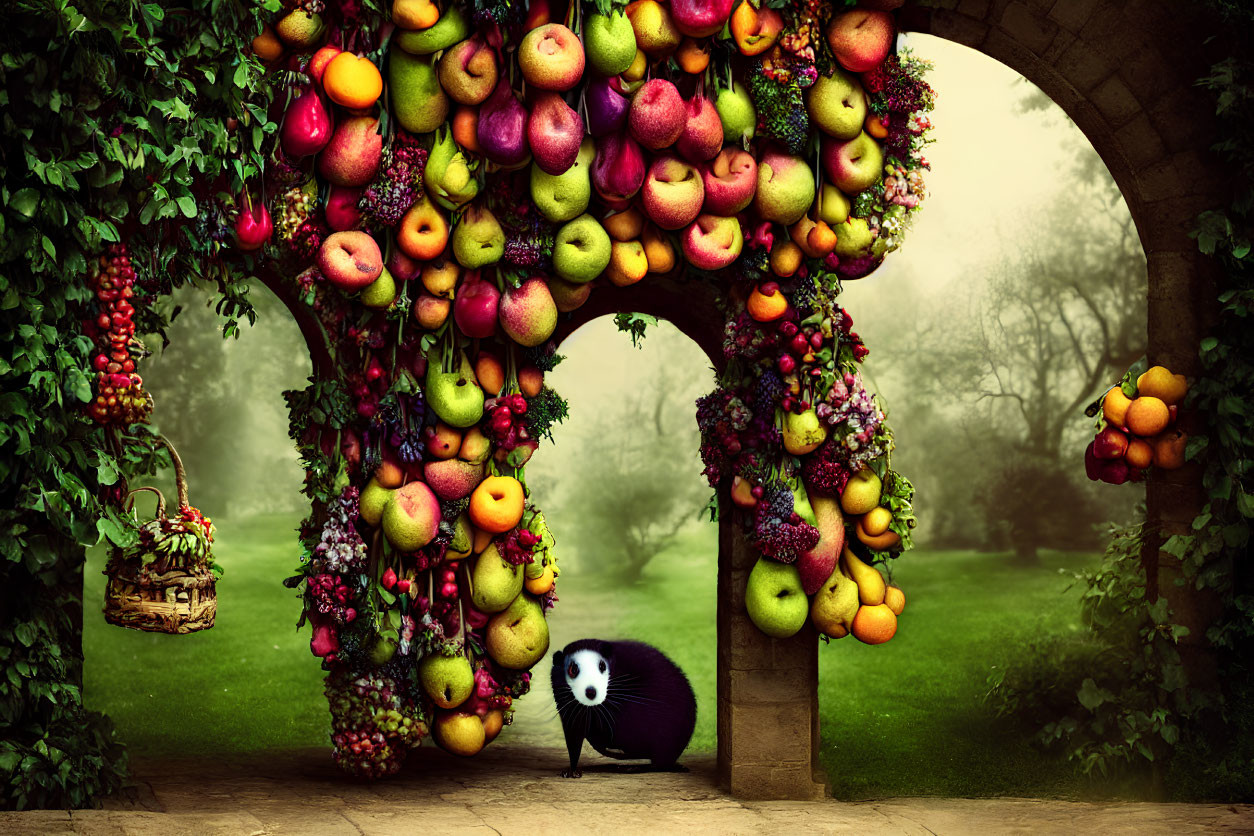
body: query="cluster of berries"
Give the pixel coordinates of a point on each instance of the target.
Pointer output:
(506, 426)
(397, 186)
(340, 547)
(120, 397)
(372, 723)
(778, 531)
(329, 596)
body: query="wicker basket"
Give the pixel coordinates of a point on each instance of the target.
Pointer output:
(157, 589)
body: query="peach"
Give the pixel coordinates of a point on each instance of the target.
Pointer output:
(755, 30)
(476, 447)
(785, 258)
(466, 128)
(702, 135)
(712, 242)
(568, 296)
(628, 263)
(530, 381)
(350, 260)
(490, 373)
(625, 225)
(551, 57)
(767, 303)
(1115, 406)
(341, 211)
(657, 114)
(267, 45)
(658, 250)
(452, 478)
(319, 60)
(439, 277)
(411, 518)
(402, 267)
(1169, 449)
(352, 156)
(1140, 454)
(672, 193)
(496, 505)
(423, 233)
(443, 441)
(815, 238)
(730, 180)
(430, 312)
(693, 56)
(389, 474)
(861, 38)
(1147, 416)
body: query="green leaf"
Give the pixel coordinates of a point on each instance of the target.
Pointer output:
(25, 202)
(187, 205)
(1091, 695)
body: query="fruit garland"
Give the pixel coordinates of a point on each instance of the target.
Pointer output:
(1136, 427)
(523, 155)
(120, 396)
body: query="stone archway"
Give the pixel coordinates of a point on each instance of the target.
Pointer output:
(1125, 73)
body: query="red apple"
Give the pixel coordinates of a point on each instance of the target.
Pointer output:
(730, 179)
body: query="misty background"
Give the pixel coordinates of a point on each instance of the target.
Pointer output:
(1018, 297)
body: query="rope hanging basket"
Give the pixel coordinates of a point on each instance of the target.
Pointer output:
(165, 582)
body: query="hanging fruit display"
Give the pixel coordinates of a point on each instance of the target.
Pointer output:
(1136, 427)
(120, 397)
(450, 181)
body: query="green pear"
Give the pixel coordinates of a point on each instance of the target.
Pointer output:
(861, 493)
(448, 30)
(478, 239)
(837, 104)
(380, 293)
(448, 680)
(418, 101)
(494, 582)
(801, 504)
(518, 637)
(735, 111)
(774, 598)
(373, 499)
(803, 432)
(455, 396)
(853, 238)
(835, 605)
(447, 175)
(581, 250)
(562, 197)
(610, 42)
(834, 206)
(463, 539)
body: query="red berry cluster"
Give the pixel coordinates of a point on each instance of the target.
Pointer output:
(505, 424)
(444, 607)
(329, 596)
(516, 546)
(192, 516)
(799, 343)
(120, 396)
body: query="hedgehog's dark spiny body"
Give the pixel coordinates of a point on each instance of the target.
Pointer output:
(632, 703)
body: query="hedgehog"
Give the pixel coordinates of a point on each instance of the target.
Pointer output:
(625, 698)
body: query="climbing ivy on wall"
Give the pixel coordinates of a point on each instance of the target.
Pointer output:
(121, 122)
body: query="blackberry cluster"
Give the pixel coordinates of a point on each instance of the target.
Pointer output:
(768, 391)
(397, 186)
(777, 530)
(340, 548)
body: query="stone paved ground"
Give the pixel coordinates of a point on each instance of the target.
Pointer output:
(517, 791)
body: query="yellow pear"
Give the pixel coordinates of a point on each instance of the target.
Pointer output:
(835, 604)
(877, 520)
(871, 587)
(862, 493)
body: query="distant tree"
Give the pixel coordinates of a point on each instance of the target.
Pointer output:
(639, 480)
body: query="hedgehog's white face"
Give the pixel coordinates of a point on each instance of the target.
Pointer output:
(588, 676)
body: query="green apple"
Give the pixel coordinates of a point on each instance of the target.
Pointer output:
(785, 188)
(448, 680)
(581, 250)
(610, 42)
(735, 111)
(518, 637)
(774, 598)
(837, 104)
(494, 582)
(373, 499)
(455, 396)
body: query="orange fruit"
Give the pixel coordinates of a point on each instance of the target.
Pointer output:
(1169, 450)
(658, 250)
(267, 45)
(530, 381)
(482, 540)
(875, 127)
(490, 373)
(496, 505)
(423, 232)
(874, 624)
(628, 263)
(1147, 416)
(1159, 382)
(627, 225)
(352, 81)
(785, 258)
(1140, 453)
(692, 57)
(1115, 406)
(895, 599)
(466, 128)
(767, 307)
(879, 542)
(415, 14)
(492, 723)
(541, 585)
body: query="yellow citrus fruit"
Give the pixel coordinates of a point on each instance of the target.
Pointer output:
(766, 308)
(895, 599)
(1159, 382)
(1146, 416)
(874, 624)
(1140, 453)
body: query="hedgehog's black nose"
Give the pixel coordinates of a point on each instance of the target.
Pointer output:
(591, 692)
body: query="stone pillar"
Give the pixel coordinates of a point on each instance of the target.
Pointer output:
(768, 709)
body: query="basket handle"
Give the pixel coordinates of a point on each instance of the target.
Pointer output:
(130, 499)
(180, 475)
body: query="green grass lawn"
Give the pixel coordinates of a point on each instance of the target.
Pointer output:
(904, 718)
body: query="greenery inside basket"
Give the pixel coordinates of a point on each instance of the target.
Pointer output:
(165, 582)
